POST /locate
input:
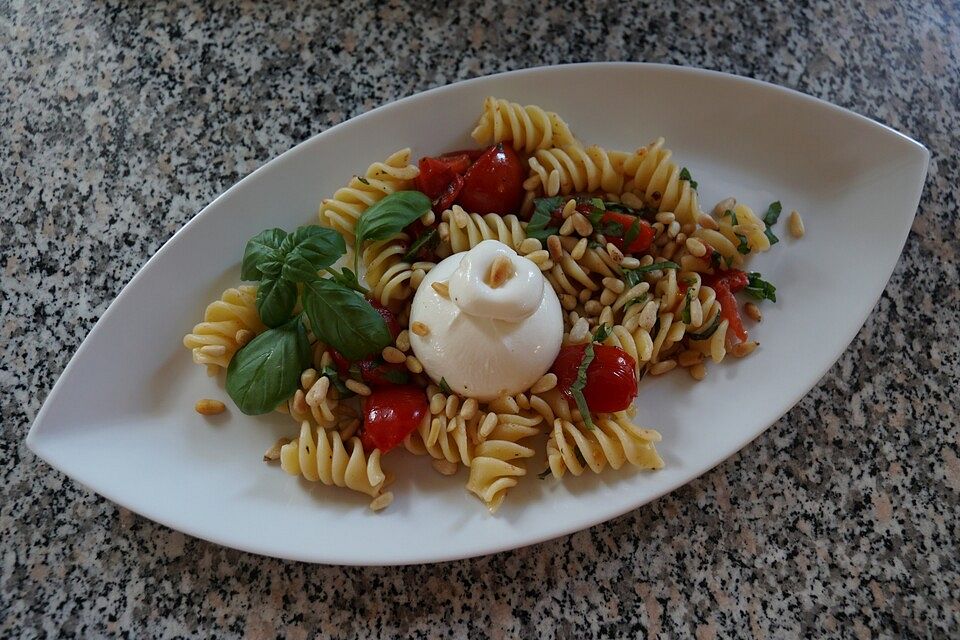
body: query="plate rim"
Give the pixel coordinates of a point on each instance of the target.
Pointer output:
(34, 441)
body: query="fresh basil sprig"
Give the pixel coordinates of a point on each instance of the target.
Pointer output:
(389, 216)
(576, 389)
(267, 370)
(280, 260)
(344, 320)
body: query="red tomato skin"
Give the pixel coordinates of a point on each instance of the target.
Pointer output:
(472, 154)
(390, 414)
(730, 311)
(458, 162)
(433, 178)
(494, 183)
(644, 237)
(393, 326)
(449, 195)
(611, 376)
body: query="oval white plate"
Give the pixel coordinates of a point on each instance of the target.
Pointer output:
(120, 419)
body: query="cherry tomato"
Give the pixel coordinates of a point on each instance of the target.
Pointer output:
(734, 278)
(449, 195)
(725, 284)
(611, 376)
(378, 373)
(434, 177)
(622, 222)
(393, 326)
(390, 414)
(458, 161)
(494, 183)
(472, 154)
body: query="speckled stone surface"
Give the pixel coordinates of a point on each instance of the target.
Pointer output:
(120, 120)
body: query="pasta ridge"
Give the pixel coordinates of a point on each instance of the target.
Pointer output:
(573, 169)
(327, 459)
(656, 179)
(495, 467)
(214, 341)
(528, 127)
(613, 441)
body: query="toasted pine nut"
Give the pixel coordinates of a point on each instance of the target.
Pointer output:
(556, 250)
(662, 367)
(273, 453)
(545, 383)
(487, 426)
(707, 222)
(209, 407)
(743, 349)
(614, 253)
(308, 378)
(420, 329)
(592, 307)
(614, 284)
(299, 403)
(698, 371)
(582, 225)
(413, 365)
(568, 301)
(579, 249)
(242, 337)
(441, 288)
(452, 406)
(629, 262)
(695, 247)
(584, 295)
(632, 200)
(753, 312)
(403, 338)
(358, 387)
(469, 409)
(528, 246)
(665, 217)
(500, 271)
(580, 330)
(724, 205)
(567, 227)
(608, 297)
(445, 467)
(318, 392)
(569, 208)
(796, 224)
(382, 501)
(393, 355)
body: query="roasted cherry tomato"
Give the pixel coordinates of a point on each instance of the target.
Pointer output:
(458, 161)
(611, 376)
(616, 227)
(494, 183)
(378, 373)
(393, 326)
(434, 177)
(449, 195)
(390, 414)
(725, 284)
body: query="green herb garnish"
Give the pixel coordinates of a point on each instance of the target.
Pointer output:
(428, 240)
(760, 288)
(685, 313)
(445, 387)
(266, 371)
(541, 220)
(576, 389)
(388, 217)
(344, 320)
(743, 246)
(632, 276)
(543, 474)
(685, 175)
(602, 332)
(709, 331)
(638, 300)
(770, 218)
(335, 380)
(631, 233)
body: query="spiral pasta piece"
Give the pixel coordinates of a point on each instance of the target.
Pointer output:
(577, 170)
(467, 230)
(215, 340)
(613, 441)
(343, 210)
(386, 271)
(325, 458)
(656, 179)
(495, 467)
(528, 128)
(443, 438)
(748, 228)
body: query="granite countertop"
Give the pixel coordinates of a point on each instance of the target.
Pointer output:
(119, 121)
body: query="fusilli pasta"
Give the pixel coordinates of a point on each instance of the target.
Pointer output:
(320, 455)
(614, 441)
(656, 179)
(573, 169)
(467, 230)
(528, 128)
(215, 340)
(494, 468)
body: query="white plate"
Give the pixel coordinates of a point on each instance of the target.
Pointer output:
(120, 419)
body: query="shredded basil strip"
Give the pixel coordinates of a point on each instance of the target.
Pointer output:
(709, 331)
(430, 239)
(576, 389)
(539, 225)
(632, 276)
(685, 175)
(335, 380)
(444, 386)
(685, 314)
(759, 288)
(602, 332)
(770, 218)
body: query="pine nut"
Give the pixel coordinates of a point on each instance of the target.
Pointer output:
(707, 222)
(545, 383)
(529, 245)
(469, 409)
(629, 262)
(208, 407)
(318, 392)
(580, 331)
(553, 183)
(727, 204)
(393, 355)
(442, 289)
(273, 453)
(743, 349)
(631, 200)
(665, 217)
(695, 247)
(796, 225)
(403, 338)
(582, 225)
(569, 208)
(584, 295)
(428, 219)
(500, 271)
(614, 253)
(382, 501)
(488, 425)
(579, 249)
(753, 312)
(420, 329)
(413, 365)
(438, 402)
(662, 367)
(607, 297)
(698, 371)
(299, 403)
(242, 337)
(358, 387)
(556, 249)
(568, 302)
(567, 227)
(308, 378)
(451, 407)
(592, 307)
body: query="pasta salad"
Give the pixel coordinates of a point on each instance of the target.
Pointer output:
(460, 305)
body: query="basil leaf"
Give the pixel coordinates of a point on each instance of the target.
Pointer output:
(709, 331)
(261, 248)
(276, 298)
(444, 386)
(395, 376)
(576, 389)
(685, 175)
(632, 276)
(271, 267)
(685, 313)
(347, 278)
(390, 216)
(770, 218)
(308, 250)
(335, 380)
(344, 320)
(602, 332)
(266, 371)
(428, 240)
(543, 474)
(610, 228)
(759, 288)
(744, 246)
(632, 233)
(638, 300)
(539, 225)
